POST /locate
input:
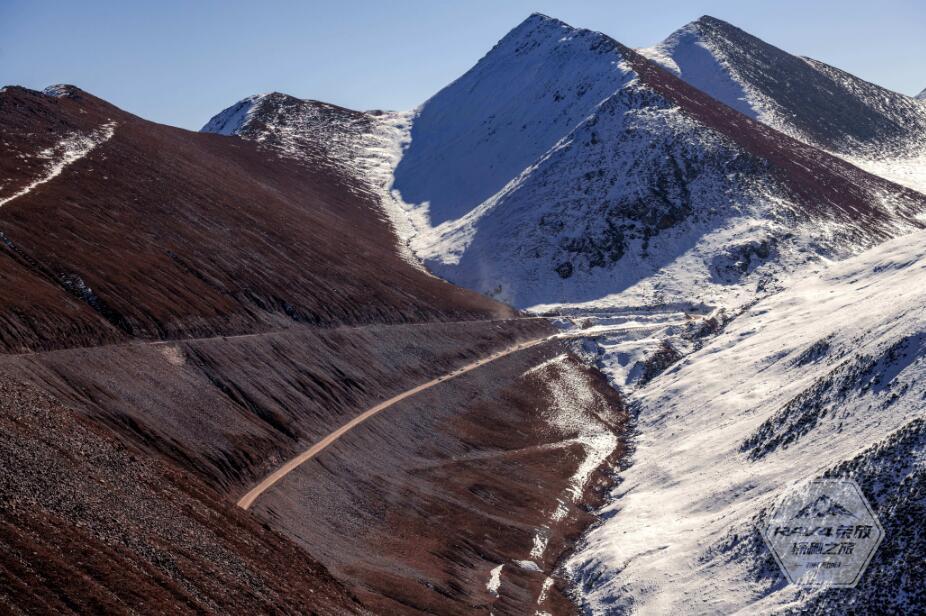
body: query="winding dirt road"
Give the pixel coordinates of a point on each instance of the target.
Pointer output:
(248, 499)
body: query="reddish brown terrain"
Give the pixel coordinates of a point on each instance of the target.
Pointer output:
(416, 525)
(90, 525)
(184, 312)
(160, 233)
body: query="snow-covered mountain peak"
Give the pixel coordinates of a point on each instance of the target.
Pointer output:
(532, 88)
(243, 115)
(801, 97)
(229, 121)
(691, 52)
(303, 129)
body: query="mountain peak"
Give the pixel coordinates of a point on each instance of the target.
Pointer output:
(709, 20)
(63, 90)
(229, 121)
(922, 95)
(536, 24)
(537, 83)
(540, 18)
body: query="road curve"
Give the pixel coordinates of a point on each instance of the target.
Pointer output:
(248, 499)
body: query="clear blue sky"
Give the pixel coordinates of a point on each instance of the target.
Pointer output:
(180, 62)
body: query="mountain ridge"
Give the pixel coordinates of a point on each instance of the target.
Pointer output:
(870, 126)
(464, 133)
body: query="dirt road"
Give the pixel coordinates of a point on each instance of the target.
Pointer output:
(248, 499)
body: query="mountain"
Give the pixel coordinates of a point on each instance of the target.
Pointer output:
(684, 205)
(189, 316)
(186, 311)
(169, 234)
(564, 168)
(921, 95)
(879, 130)
(321, 134)
(533, 88)
(825, 379)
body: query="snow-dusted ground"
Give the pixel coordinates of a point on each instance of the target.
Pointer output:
(66, 152)
(906, 170)
(803, 381)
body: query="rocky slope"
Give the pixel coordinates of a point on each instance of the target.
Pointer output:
(882, 131)
(90, 525)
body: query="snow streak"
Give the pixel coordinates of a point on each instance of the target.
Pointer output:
(66, 152)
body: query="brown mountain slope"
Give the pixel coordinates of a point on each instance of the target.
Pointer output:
(87, 525)
(158, 232)
(122, 461)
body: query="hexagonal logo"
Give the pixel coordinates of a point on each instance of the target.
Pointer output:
(823, 533)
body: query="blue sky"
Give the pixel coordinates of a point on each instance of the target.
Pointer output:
(180, 62)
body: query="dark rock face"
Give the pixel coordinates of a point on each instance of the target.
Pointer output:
(658, 362)
(564, 269)
(739, 261)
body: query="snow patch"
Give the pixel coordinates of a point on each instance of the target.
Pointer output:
(528, 565)
(231, 120)
(69, 150)
(495, 580)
